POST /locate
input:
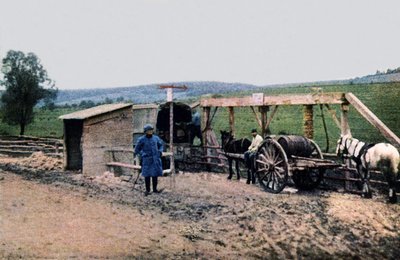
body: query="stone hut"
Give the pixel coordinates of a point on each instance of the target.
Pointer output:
(89, 133)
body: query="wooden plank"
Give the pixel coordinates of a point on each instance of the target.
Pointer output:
(373, 119)
(332, 112)
(271, 117)
(124, 150)
(125, 165)
(292, 99)
(257, 117)
(234, 155)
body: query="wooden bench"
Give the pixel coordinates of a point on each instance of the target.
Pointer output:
(166, 172)
(125, 165)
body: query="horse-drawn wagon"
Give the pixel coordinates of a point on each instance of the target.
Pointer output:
(281, 157)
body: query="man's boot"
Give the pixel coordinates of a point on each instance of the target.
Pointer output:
(147, 184)
(155, 182)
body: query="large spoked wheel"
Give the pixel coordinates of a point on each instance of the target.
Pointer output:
(272, 166)
(311, 178)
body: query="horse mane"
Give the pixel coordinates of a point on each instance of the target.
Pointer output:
(233, 145)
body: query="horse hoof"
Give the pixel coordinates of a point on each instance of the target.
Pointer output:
(367, 195)
(229, 178)
(247, 182)
(393, 199)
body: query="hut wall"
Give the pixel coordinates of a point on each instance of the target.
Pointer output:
(102, 133)
(72, 139)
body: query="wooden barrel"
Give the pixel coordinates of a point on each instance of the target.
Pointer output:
(295, 145)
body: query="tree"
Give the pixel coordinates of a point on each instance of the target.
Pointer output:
(26, 83)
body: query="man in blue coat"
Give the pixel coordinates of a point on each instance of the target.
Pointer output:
(149, 147)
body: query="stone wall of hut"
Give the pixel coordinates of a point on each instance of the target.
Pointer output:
(101, 133)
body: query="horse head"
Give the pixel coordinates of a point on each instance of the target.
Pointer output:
(226, 137)
(341, 147)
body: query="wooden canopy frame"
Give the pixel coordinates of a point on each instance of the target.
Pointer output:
(264, 103)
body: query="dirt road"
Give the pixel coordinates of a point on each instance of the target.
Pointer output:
(63, 215)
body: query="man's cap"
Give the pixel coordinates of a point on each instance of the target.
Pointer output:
(148, 127)
(254, 130)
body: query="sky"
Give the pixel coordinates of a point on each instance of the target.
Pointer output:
(114, 43)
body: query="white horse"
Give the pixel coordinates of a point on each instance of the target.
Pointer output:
(381, 156)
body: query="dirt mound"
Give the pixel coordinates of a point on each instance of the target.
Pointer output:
(41, 161)
(107, 178)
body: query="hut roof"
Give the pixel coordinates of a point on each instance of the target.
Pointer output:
(94, 111)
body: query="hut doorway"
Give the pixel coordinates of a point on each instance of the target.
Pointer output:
(72, 138)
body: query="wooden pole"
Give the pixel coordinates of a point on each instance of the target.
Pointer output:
(373, 119)
(344, 120)
(345, 130)
(264, 110)
(206, 124)
(271, 117)
(308, 122)
(232, 120)
(171, 136)
(257, 117)
(332, 112)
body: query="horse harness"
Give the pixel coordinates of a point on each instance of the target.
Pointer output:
(360, 156)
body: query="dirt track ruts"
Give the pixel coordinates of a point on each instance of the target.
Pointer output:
(200, 215)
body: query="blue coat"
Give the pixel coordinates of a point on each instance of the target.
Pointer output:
(150, 150)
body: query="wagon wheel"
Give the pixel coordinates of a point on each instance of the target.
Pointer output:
(311, 178)
(272, 166)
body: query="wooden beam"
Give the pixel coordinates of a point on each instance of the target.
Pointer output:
(271, 117)
(333, 114)
(257, 117)
(373, 119)
(293, 99)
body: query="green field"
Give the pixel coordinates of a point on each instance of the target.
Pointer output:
(381, 99)
(46, 124)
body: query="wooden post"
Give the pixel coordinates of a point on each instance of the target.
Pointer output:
(206, 125)
(344, 120)
(171, 137)
(345, 130)
(264, 110)
(308, 122)
(232, 120)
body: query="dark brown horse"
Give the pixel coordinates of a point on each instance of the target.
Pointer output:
(231, 145)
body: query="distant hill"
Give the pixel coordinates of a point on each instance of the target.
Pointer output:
(376, 78)
(150, 93)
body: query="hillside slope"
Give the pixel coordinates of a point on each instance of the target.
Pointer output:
(151, 93)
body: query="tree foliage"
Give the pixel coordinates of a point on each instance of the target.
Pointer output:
(26, 84)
